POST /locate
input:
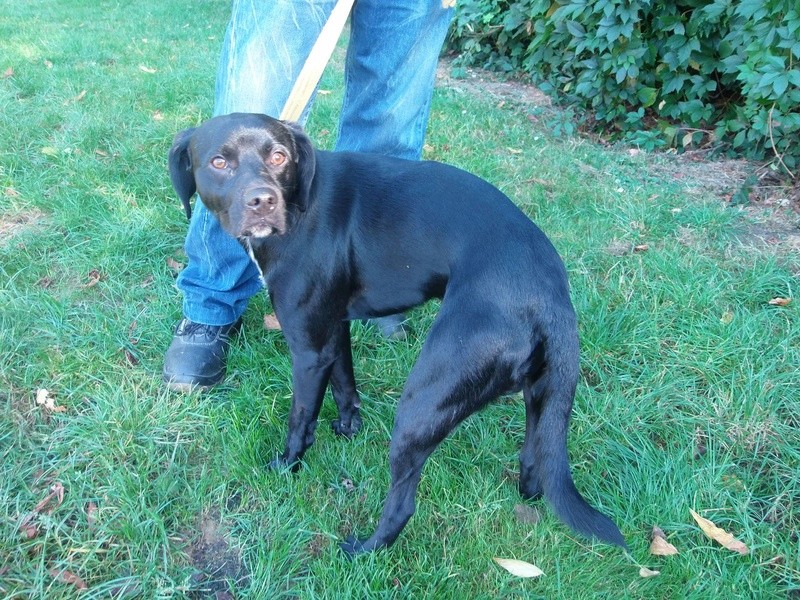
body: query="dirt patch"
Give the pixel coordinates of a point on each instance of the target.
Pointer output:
(770, 205)
(13, 224)
(485, 83)
(218, 563)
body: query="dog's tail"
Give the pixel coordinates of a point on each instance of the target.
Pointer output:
(551, 395)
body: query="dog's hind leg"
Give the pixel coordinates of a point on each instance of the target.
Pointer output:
(530, 484)
(455, 375)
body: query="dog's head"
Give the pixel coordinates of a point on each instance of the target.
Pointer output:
(252, 171)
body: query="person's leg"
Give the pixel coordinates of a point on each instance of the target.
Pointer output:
(265, 46)
(389, 77)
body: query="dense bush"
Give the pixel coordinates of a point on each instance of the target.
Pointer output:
(718, 73)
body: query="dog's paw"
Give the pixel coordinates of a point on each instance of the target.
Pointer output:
(530, 491)
(282, 464)
(352, 546)
(347, 428)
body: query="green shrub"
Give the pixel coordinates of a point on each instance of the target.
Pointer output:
(660, 74)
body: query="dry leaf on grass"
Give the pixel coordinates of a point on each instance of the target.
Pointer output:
(174, 265)
(91, 512)
(271, 322)
(68, 577)
(659, 546)
(645, 572)
(719, 535)
(28, 528)
(520, 568)
(43, 398)
(130, 357)
(95, 277)
(780, 301)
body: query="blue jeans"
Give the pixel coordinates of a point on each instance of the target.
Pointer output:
(389, 75)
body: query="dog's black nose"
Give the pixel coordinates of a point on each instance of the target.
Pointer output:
(258, 200)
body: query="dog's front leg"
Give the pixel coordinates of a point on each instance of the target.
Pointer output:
(310, 373)
(343, 386)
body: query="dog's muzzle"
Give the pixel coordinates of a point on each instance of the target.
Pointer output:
(263, 213)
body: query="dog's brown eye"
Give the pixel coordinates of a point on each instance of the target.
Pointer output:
(277, 159)
(218, 162)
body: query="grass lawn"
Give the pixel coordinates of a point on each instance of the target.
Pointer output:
(689, 399)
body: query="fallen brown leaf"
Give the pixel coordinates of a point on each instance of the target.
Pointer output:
(719, 535)
(9, 72)
(131, 357)
(58, 489)
(780, 301)
(271, 322)
(43, 398)
(174, 265)
(28, 528)
(520, 568)
(65, 576)
(645, 572)
(95, 277)
(641, 248)
(91, 511)
(145, 69)
(659, 546)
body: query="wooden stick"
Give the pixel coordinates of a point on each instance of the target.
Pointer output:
(315, 64)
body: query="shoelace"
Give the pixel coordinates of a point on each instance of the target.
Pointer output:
(192, 328)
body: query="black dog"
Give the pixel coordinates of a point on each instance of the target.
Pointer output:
(343, 236)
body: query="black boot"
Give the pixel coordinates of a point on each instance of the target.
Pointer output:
(196, 357)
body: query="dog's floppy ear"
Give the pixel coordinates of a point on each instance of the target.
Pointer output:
(180, 169)
(306, 165)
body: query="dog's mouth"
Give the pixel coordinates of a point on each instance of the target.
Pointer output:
(258, 232)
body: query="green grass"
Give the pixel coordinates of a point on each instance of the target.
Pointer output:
(689, 399)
